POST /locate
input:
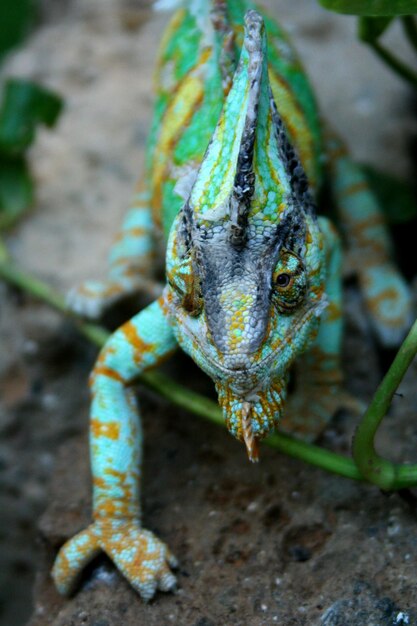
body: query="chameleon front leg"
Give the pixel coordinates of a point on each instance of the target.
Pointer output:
(319, 392)
(115, 447)
(386, 294)
(129, 265)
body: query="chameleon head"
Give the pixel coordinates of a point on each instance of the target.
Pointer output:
(245, 254)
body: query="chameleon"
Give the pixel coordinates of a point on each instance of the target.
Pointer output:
(236, 160)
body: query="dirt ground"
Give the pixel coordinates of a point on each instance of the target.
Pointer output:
(278, 543)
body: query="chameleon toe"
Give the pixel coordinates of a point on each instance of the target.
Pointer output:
(73, 556)
(167, 581)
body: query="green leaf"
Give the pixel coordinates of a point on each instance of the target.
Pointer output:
(24, 105)
(15, 19)
(370, 28)
(395, 196)
(372, 8)
(16, 190)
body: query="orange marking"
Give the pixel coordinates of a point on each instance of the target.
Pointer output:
(136, 267)
(111, 430)
(99, 482)
(107, 371)
(370, 251)
(375, 303)
(165, 302)
(125, 260)
(121, 476)
(135, 231)
(105, 352)
(85, 291)
(333, 312)
(138, 344)
(120, 507)
(369, 222)
(337, 153)
(362, 185)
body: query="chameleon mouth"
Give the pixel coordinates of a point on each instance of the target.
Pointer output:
(252, 418)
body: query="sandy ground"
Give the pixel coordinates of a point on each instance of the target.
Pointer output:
(280, 543)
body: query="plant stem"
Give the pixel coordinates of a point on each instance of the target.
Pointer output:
(410, 30)
(172, 391)
(381, 472)
(4, 255)
(209, 410)
(395, 64)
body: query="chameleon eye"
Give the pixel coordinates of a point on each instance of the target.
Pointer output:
(283, 280)
(186, 284)
(289, 282)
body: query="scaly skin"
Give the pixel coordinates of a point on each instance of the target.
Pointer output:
(235, 160)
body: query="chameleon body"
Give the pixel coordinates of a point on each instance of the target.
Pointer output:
(236, 158)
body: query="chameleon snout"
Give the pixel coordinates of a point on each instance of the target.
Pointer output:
(251, 416)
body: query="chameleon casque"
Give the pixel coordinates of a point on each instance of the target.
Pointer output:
(236, 159)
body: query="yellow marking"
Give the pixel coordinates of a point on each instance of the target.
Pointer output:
(178, 114)
(272, 171)
(295, 122)
(173, 25)
(220, 132)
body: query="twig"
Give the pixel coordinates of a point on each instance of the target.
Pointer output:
(410, 29)
(381, 472)
(395, 64)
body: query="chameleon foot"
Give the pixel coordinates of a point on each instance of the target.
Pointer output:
(92, 298)
(138, 554)
(312, 407)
